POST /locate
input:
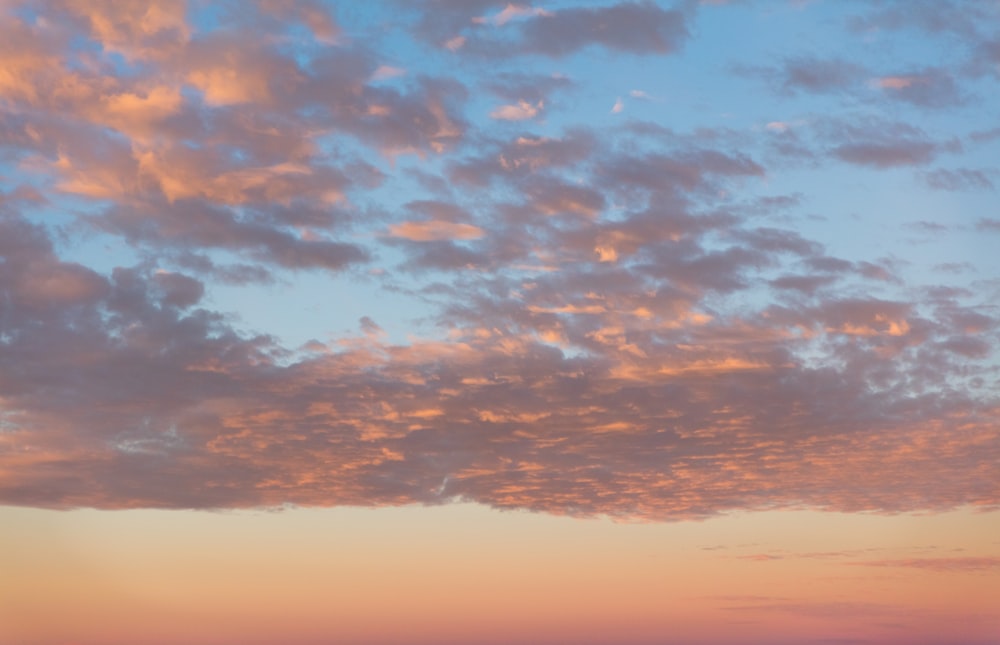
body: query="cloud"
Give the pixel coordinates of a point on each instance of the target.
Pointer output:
(435, 230)
(930, 88)
(989, 225)
(617, 107)
(981, 136)
(884, 144)
(137, 138)
(522, 156)
(948, 565)
(640, 28)
(886, 155)
(632, 27)
(134, 29)
(632, 320)
(512, 12)
(809, 74)
(960, 20)
(222, 419)
(533, 89)
(455, 43)
(958, 179)
(387, 71)
(520, 112)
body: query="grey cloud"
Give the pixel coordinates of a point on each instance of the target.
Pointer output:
(884, 144)
(803, 283)
(929, 88)
(640, 28)
(533, 89)
(988, 225)
(888, 154)
(959, 19)
(633, 27)
(182, 225)
(958, 179)
(818, 75)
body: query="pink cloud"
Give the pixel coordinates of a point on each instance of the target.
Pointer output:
(455, 43)
(523, 110)
(513, 12)
(133, 28)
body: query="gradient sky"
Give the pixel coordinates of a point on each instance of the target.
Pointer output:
(463, 321)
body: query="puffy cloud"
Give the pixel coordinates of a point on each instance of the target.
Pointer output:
(134, 28)
(314, 15)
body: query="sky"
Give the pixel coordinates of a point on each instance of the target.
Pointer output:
(476, 322)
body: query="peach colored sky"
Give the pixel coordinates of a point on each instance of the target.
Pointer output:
(466, 574)
(722, 271)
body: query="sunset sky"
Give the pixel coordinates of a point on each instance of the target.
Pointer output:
(465, 322)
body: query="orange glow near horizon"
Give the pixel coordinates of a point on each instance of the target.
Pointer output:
(467, 574)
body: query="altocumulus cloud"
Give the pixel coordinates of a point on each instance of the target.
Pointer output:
(617, 328)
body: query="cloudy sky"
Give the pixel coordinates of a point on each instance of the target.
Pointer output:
(463, 321)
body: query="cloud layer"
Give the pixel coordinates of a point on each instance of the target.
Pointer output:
(627, 320)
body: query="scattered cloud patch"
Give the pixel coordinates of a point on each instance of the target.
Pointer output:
(520, 112)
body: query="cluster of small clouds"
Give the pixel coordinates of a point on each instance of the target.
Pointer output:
(619, 337)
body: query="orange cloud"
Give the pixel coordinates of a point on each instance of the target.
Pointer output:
(426, 231)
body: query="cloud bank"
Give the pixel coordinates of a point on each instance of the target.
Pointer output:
(624, 321)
